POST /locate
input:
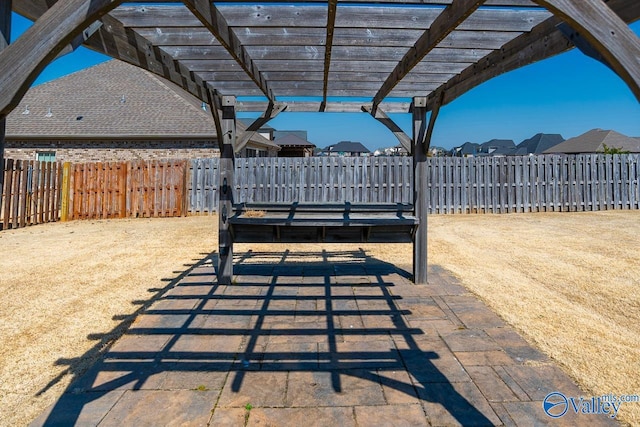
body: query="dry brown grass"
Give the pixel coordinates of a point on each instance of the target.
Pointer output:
(569, 282)
(61, 282)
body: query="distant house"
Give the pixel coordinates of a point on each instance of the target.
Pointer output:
(468, 149)
(397, 150)
(539, 143)
(346, 148)
(293, 145)
(594, 141)
(115, 111)
(497, 147)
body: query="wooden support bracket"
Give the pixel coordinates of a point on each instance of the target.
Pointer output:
(383, 118)
(432, 120)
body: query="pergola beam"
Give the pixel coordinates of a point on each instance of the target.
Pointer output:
(606, 32)
(21, 62)
(543, 41)
(216, 23)
(314, 106)
(452, 16)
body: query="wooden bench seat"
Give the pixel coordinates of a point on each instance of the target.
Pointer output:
(308, 223)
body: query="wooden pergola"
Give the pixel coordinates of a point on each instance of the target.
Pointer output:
(374, 56)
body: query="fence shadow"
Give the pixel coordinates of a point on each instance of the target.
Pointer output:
(332, 314)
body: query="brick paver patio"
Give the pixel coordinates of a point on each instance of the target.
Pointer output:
(316, 339)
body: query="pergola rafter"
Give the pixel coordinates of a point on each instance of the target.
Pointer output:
(216, 23)
(442, 26)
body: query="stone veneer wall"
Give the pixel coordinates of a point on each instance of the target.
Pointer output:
(79, 151)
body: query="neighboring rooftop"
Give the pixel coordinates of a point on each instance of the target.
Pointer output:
(594, 141)
(282, 133)
(347, 147)
(540, 142)
(498, 147)
(293, 140)
(120, 101)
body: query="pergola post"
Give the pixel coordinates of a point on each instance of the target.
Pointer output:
(419, 151)
(224, 114)
(5, 35)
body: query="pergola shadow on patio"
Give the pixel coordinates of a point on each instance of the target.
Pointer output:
(321, 338)
(377, 57)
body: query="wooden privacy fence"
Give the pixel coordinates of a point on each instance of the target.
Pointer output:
(35, 192)
(533, 183)
(124, 190)
(30, 194)
(305, 180)
(455, 185)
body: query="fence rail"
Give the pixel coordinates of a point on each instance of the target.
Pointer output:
(30, 193)
(455, 185)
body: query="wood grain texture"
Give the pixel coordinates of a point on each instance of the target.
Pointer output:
(216, 22)
(441, 27)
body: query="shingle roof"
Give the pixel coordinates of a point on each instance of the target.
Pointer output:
(120, 101)
(469, 148)
(293, 140)
(540, 142)
(347, 147)
(281, 133)
(594, 141)
(497, 147)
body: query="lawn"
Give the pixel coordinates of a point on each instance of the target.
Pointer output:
(569, 282)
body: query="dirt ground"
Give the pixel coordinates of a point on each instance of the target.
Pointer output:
(570, 282)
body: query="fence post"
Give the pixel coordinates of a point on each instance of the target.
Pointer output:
(66, 191)
(122, 189)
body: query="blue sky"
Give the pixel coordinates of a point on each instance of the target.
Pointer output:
(568, 94)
